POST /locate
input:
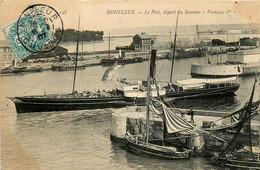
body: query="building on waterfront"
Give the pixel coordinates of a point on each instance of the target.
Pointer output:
(142, 42)
(59, 51)
(7, 57)
(6, 53)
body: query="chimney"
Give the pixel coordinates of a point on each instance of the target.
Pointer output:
(152, 64)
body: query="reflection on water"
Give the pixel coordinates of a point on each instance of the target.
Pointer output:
(80, 139)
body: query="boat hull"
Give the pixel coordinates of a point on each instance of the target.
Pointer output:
(67, 68)
(154, 152)
(204, 92)
(121, 61)
(21, 70)
(235, 163)
(198, 93)
(26, 105)
(36, 99)
(33, 69)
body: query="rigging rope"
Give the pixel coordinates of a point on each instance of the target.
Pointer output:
(18, 85)
(36, 84)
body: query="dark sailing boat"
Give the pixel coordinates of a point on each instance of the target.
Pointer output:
(160, 148)
(201, 87)
(233, 154)
(73, 101)
(14, 69)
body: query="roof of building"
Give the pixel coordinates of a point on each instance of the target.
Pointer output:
(143, 35)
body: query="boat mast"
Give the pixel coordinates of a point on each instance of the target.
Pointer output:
(150, 80)
(174, 46)
(249, 124)
(239, 44)
(76, 62)
(82, 49)
(109, 45)
(148, 109)
(198, 35)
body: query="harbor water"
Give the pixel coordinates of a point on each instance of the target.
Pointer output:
(81, 139)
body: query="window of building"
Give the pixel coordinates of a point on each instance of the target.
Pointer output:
(4, 56)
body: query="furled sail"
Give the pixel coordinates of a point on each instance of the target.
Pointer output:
(156, 106)
(233, 119)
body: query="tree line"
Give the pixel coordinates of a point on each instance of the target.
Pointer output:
(85, 35)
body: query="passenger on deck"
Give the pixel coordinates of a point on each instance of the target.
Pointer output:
(191, 113)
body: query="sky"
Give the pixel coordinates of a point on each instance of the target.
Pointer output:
(100, 15)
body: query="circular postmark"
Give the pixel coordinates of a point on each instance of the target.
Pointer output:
(39, 28)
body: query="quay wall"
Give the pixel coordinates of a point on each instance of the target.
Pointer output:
(215, 70)
(251, 70)
(225, 70)
(122, 119)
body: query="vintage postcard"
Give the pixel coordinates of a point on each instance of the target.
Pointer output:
(129, 84)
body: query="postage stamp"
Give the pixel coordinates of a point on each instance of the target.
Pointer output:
(39, 28)
(10, 32)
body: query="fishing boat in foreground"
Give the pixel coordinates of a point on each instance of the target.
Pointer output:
(171, 145)
(164, 148)
(235, 130)
(239, 160)
(155, 150)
